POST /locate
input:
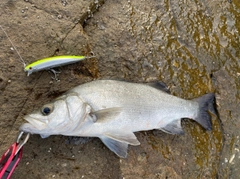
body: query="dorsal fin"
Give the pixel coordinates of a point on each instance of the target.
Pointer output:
(155, 84)
(160, 86)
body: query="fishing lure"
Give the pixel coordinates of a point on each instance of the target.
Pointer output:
(51, 62)
(47, 63)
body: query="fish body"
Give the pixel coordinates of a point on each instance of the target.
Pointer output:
(51, 62)
(114, 110)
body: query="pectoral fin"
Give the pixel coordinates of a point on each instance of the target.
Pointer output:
(118, 143)
(173, 127)
(106, 114)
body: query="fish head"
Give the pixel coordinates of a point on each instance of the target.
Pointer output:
(58, 117)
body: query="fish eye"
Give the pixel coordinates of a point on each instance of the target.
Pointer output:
(46, 110)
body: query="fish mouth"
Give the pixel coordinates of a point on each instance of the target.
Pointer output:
(33, 124)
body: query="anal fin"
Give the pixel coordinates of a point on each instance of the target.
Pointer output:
(173, 127)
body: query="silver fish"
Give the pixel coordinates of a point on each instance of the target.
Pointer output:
(114, 110)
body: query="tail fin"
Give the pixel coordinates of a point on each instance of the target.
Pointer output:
(206, 103)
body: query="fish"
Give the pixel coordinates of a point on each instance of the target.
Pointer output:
(113, 110)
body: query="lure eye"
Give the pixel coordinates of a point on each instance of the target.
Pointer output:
(46, 110)
(30, 68)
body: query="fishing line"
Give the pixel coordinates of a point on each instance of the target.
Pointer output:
(21, 60)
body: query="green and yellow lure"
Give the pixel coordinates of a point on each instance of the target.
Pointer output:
(51, 62)
(47, 63)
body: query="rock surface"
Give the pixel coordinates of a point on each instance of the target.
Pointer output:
(192, 46)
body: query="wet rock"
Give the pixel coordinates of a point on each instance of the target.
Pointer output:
(191, 46)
